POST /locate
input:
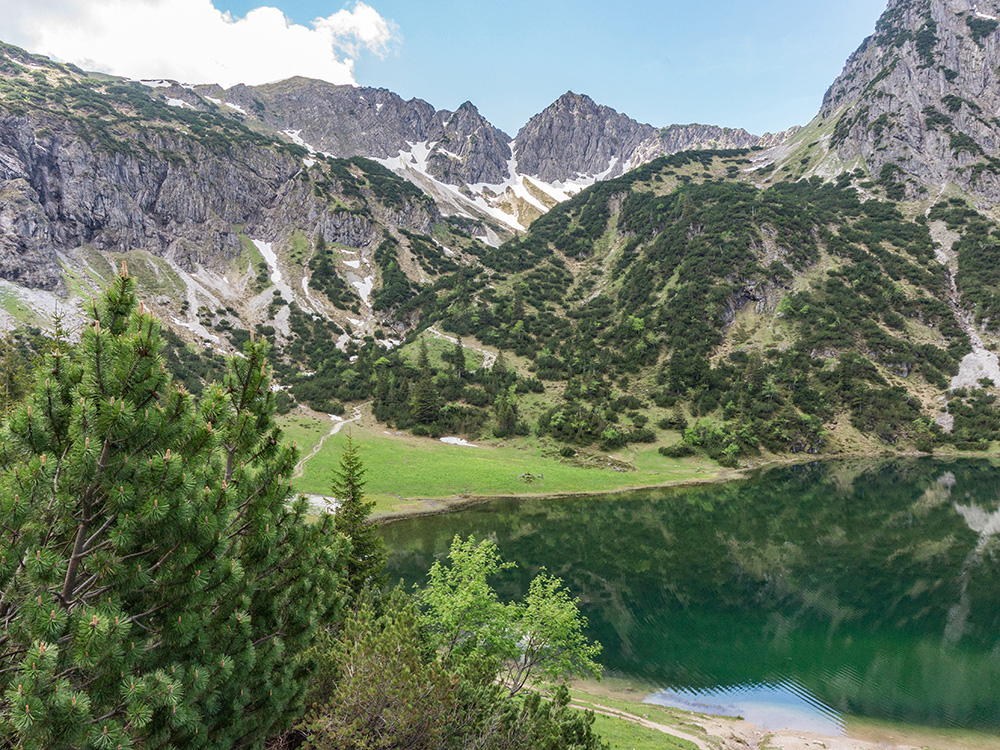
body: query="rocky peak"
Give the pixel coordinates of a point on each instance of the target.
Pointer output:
(468, 149)
(575, 137)
(350, 121)
(917, 102)
(342, 120)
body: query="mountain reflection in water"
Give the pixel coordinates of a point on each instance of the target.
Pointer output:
(872, 588)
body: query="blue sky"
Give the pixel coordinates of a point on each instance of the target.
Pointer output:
(763, 65)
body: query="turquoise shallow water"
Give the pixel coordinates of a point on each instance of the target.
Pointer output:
(768, 705)
(794, 598)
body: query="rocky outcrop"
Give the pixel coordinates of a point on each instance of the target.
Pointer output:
(173, 169)
(468, 150)
(576, 137)
(346, 121)
(173, 192)
(343, 121)
(918, 100)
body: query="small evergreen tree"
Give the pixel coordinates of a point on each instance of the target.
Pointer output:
(499, 376)
(378, 686)
(366, 563)
(15, 371)
(458, 359)
(158, 583)
(425, 404)
(506, 413)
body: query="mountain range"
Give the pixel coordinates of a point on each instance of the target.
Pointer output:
(845, 268)
(470, 167)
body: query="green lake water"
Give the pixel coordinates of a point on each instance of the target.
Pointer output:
(795, 598)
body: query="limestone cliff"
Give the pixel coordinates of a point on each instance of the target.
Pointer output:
(918, 101)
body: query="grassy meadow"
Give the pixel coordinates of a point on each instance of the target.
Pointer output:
(405, 472)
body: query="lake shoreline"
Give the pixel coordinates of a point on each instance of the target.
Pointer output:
(627, 700)
(434, 506)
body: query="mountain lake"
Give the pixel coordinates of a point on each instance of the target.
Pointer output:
(797, 598)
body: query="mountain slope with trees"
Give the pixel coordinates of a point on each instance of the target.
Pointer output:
(808, 297)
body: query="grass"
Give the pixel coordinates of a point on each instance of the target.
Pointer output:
(78, 284)
(154, 275)
(14, 306)
(437, 347)
(626, 697)
(99, 268)
(304, 431)
(622, 734)
(404, 469)
(300, 249)
(257, 262)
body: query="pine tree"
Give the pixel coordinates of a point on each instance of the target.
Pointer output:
(458, 358)
(158, 584)
(366, 563)
(15, 372)
(499, 376)
(517, 306)
(425, 405)
(505, 410)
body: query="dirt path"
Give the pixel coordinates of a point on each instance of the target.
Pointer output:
(488, 357)
(725, 733)
(300, 467)
(711, 732)
(616, 714)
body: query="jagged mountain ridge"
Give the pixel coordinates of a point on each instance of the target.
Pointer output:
(575, 138)
(916, 105)
(571, 144)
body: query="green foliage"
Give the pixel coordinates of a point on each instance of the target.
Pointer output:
(388, 187)
(193, 367)
(926, 40)
(396, 289)
(18, 351)
(935, 119)
(541, 637)
(977, 421)
(506, 414)
(382, 685)
(324, 278)
(978, 278)
(980, 28)
(887, 178)
(424, 403)
(429, 255)
(366, 562)
(962, 143)
(159, 582)
(378, 685)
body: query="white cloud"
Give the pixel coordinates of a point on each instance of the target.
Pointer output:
(192, 41)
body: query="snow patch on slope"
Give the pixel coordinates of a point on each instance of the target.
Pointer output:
(364, 288)
(493, 200)
(267, 251)
(413, 165)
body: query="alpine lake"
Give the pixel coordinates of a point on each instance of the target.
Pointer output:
(797, 598)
